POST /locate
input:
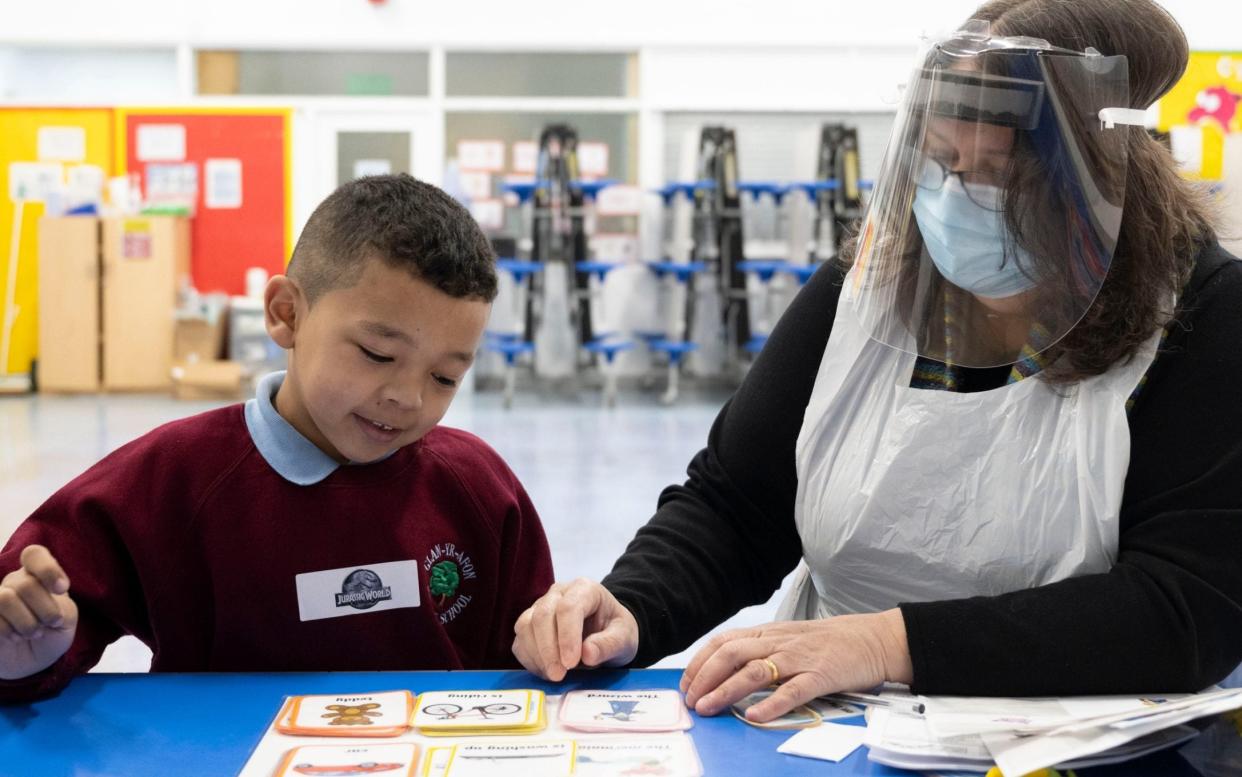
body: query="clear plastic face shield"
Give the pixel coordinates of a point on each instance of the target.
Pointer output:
(994, 220)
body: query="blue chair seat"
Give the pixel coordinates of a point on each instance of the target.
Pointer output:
(599, 269)
(523, 189)
(509, 348)
(591, 189)
(764, 268)
(608, 348)
(518, 269)
(755, 343)
(813, 188)
(677, 269)
(802, 272)
(675, 350)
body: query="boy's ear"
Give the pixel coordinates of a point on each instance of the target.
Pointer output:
(284, 305)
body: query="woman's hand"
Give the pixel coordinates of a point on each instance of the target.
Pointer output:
(812, 658)
(574, 622)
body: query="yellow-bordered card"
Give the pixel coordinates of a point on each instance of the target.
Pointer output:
(468, 713)
(517, 759)
(382, 714)
(398, 759)
(437, 761)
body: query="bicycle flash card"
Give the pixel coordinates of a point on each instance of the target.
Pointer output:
(654, 710)
(382, 714)
(397, 759)
(477, 710)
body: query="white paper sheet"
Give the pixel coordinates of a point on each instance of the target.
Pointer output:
(827, 742)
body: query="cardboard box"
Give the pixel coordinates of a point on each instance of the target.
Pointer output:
(197, 340)
(207, 380)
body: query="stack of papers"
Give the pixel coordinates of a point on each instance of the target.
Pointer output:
(636, 711)
(1023, 735)
(468, 713)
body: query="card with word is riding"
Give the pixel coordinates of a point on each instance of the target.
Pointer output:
(465, 713)
(639, 711)
(399, 759)
(384, 714)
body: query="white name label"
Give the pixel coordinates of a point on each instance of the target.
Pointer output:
(334, 593)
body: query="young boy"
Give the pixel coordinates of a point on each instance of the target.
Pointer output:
(328, 523)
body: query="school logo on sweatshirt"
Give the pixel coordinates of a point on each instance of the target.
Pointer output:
(447, 567)
(362, 590)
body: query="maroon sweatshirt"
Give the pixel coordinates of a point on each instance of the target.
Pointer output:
(187, 539)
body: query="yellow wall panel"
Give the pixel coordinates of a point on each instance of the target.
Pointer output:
(19, 138)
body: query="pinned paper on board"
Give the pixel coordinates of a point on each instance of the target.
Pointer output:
(161, 142)
(481, 155)
(592, 160)
(62, 144)
(365, 167)
(477, 185)
(223, 187)
(490, 213)
(34, 181)
(136, 239)
(525, 157)
(172, 184)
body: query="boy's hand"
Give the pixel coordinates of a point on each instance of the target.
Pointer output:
(37, 617)
(575, 622)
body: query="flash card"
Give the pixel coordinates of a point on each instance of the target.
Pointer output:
(392, 760)
(501, 759)
(668, 756)
(474, 712)
(383, 714)
(798, 717)
(640, 711)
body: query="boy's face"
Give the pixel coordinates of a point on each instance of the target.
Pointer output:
(373, 367)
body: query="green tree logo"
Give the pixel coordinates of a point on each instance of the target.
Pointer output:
(444, 580)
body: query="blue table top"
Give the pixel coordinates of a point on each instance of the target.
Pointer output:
(208, 724)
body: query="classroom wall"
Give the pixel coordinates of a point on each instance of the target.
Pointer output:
(19, 131)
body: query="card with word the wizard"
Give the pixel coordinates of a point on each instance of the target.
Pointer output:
(384, 714)
(463, 713)
(639, 711)
(399, 759)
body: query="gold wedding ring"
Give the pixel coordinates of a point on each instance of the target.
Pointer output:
(776, 673)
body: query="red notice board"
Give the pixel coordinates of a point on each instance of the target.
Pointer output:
(244, 219)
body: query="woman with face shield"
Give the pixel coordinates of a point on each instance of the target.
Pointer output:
(998, 442)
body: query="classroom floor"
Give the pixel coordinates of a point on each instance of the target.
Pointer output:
(593, 473)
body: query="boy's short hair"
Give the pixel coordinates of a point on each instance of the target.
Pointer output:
(406, 223)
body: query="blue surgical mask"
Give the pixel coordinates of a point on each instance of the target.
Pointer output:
(967, 242)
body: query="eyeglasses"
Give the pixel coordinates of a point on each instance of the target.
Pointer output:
(981, 187)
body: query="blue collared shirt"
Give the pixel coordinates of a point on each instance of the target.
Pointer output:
(294, 457)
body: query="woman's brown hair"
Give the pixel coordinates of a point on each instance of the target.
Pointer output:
(1165, 219)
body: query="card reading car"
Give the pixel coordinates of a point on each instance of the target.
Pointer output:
(474, 710)
(380, 714)
(653, 710)
(519, 759)
(798, 717)
(670, 756)
(399, 759)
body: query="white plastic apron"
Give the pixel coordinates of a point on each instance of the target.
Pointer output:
(910, 495)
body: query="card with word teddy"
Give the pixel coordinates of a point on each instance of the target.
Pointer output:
(385, 714)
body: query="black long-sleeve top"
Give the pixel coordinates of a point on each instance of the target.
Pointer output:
(1167, 617)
